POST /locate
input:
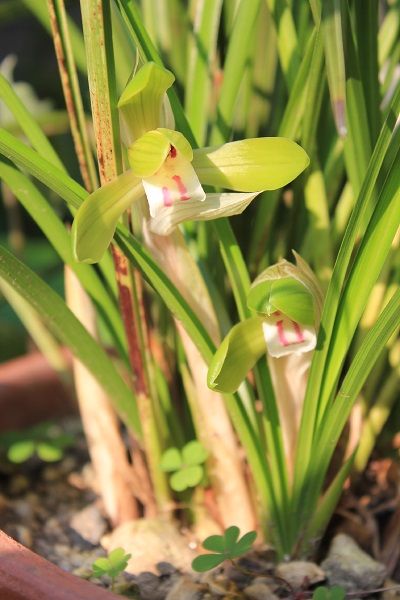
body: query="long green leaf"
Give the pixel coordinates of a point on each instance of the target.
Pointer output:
(306, 433)
(236, 57)
(201, 57)
(27, 123)
(51, 225)
(69, 331)
(39, 9)
(366, 357)
(74, 194)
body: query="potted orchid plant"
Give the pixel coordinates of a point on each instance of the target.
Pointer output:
(233, 362)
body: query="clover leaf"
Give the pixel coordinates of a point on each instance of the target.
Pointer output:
(185, 465)
(225, 547)
(112, 565)
(329, 593)
(46, 440)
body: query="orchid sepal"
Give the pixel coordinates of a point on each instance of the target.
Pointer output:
(140, 104)
(95, 222)
(251, 165)
(240, 350)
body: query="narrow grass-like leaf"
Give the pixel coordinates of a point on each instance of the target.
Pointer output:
(335, 420)
(366, 26)
(72, 94)
(74, 195)
(327, 505)
(69, 331)
(131, 15)
(27, 123)
(306, 433)
(288, 47)
(236, 57)
(48, 221)
(357, 147)
(201, 57)
(334, 54)
(370, 258)
(289, 128)
(39, 9)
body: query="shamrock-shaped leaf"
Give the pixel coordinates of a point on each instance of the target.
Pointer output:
(185, 465)
(332, 593)
(20, 451)
(112, 565)
(226, 546)
(46, 440)
(49, 451)
(171, 460)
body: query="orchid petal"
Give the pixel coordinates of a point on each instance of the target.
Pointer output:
(284, 336)
(292, 289)
(141, 102)
(174, 183)
(149, 152)
(97, 218)
(287, 295)
(237, 354)
(251, 165)
(214, 206)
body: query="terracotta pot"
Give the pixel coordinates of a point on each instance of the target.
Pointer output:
(30, 392)
(26, 576)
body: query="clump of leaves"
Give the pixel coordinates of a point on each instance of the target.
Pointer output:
(112, 565)
(225, 547)
(185, 464)
(329, 593)
(46, 440)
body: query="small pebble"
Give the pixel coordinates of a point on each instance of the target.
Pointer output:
(19, 483)
(186, 589)
(300, 574)
(165, 568)
(51, 473)
(350, 567)
(23, 509)
(20, 533)
(89, 524)
(259, 591)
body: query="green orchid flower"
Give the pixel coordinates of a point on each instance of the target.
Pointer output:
(170, 174)
(287, 300)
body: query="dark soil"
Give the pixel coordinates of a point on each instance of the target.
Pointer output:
(52, 508)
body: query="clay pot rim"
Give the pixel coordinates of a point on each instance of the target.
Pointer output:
(25, 575)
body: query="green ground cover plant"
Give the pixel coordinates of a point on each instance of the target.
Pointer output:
(237, 239)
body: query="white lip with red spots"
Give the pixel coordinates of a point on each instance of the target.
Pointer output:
(176, 181)
(284, 336)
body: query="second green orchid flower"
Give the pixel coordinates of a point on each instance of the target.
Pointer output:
(166, 170)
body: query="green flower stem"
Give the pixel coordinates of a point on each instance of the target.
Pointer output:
(240, 284)
(240, 281)
(96, 21)
(39, 9)
(72, 94)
